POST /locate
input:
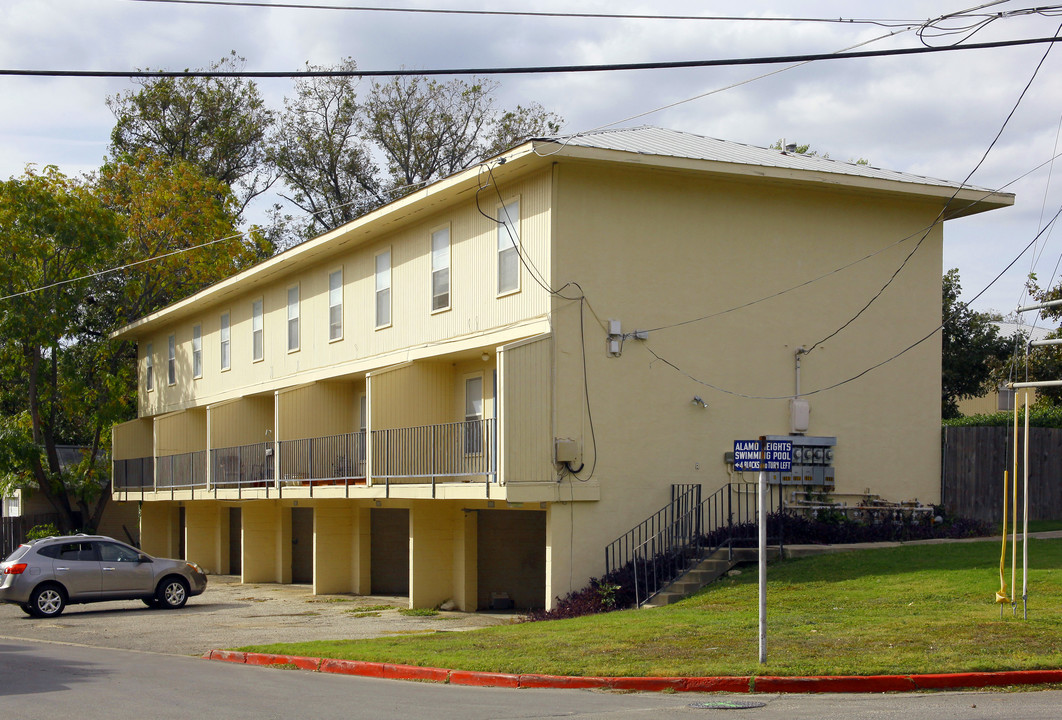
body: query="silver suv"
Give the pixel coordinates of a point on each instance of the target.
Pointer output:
(44, 576)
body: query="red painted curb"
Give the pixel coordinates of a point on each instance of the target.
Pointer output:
(736, 684)
(484, 679)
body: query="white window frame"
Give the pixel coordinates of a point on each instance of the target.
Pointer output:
(508, 242)
(440, 262)
(335, 305)
(197, 351)
(474, 420)
(149, 368)
(294, 331)
(225, 344)
(257, 330)
(382, 279)
(171, 360)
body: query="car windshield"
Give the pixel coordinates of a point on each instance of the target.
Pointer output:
(19, 552)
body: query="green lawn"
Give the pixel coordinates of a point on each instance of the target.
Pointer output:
(914, 609)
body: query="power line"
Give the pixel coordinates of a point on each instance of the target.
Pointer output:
(526, 70)
(885, 22)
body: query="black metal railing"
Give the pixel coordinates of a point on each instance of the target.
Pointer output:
(678, 536)
(184, 470)
(422, 454)
(134, 474)
(323, 459)
(242, 466)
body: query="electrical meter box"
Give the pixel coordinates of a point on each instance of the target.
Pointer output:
(812, 461)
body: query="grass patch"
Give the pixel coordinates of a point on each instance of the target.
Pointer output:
(371, 608)
(1038, 526)
(912, 609)
(330, 600)
(360, 614)
(418, 612)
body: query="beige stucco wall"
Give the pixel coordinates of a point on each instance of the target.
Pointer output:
(694, 246)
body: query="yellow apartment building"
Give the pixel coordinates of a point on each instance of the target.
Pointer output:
(468, 393)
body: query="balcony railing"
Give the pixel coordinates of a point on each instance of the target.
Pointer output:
(242, 466)
(324, 459)
(134, 474)
(186, 470)
(465, 450)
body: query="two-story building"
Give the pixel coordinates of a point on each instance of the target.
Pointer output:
(467, 393)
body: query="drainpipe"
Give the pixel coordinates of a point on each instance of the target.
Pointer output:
(799, 351)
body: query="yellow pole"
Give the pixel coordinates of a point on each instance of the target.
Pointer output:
(1001, 596)
(1014, 489)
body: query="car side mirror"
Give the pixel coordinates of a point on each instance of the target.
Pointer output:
(143, 558)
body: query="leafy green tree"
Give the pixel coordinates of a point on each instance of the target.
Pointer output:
(218, 124)
(317, 149)
(52, 230)
(972, 351)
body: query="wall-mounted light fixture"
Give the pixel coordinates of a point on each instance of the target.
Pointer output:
(698, 401)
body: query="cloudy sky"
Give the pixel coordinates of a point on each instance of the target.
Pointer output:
(933, 114)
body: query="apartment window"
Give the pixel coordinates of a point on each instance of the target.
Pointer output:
(508, 248)
(440, 269)
(474, 414)
(293, 318)
(335, 305)
(11, 506)
(197, 351)
(149, 368)
(171, 361)
(383, 289)
(257, 332)
(226, 351)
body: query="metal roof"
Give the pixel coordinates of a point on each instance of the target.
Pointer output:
(648, 140)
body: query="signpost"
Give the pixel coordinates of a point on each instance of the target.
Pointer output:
(765, 456)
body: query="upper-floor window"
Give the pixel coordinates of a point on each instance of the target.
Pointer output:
(509, 248)
(257, 331)
(293, 318)
(171, 361)
(383, 288)
(226, 348)
(440, 269)
(474, 414)
(335, 305)
(149, 368)
(197, 351)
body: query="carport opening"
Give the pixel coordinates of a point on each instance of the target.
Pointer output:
(389, 556)
(511, 548)
(302, 545)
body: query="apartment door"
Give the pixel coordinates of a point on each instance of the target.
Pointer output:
(302, 545)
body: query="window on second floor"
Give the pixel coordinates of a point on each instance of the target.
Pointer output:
(257, 331)
(171, 360)
(509, 248)
(383, 289)
(440, 269)
(197, 351)
(474, 414)
(149, 368)
(226, 348)
(335, 305)
(293, 318)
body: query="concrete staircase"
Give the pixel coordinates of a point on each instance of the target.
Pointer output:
(707, 571)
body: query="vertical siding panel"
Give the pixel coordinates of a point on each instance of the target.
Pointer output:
(243, 422)
(181, 432)
(526, 424)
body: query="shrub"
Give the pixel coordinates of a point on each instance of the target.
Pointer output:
(42, 531)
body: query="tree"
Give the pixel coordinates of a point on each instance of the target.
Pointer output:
(316, 148)
(427, 130)
(218, 124)
(972, 352)
(798, 149)
(52, 230)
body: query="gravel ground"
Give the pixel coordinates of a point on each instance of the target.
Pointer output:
(230, 614)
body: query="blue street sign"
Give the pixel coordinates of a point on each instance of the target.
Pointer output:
(777, 456)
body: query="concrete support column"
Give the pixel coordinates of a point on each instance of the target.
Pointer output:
(466, 585)
(363, 551)
(335, 540)
(266, 547)
(158, 528)
(558, 560)
(431, 553)
(202, 535)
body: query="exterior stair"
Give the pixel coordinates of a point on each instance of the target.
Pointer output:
(715, 566)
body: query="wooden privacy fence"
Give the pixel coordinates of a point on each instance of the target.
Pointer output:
(973, 461)
(13, 529)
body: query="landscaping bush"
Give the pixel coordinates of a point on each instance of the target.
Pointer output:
(42, 531)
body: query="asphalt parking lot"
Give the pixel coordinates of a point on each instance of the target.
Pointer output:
(230, 614)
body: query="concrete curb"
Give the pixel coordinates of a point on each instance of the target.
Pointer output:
(740, 684)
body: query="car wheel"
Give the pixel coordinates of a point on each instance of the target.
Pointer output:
(47, 601)
(152, 603)
(172, 593)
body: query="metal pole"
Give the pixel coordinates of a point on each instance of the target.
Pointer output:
(1025, 528)
(762, 491)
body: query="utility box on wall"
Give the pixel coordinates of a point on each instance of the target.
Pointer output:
(812, 461)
